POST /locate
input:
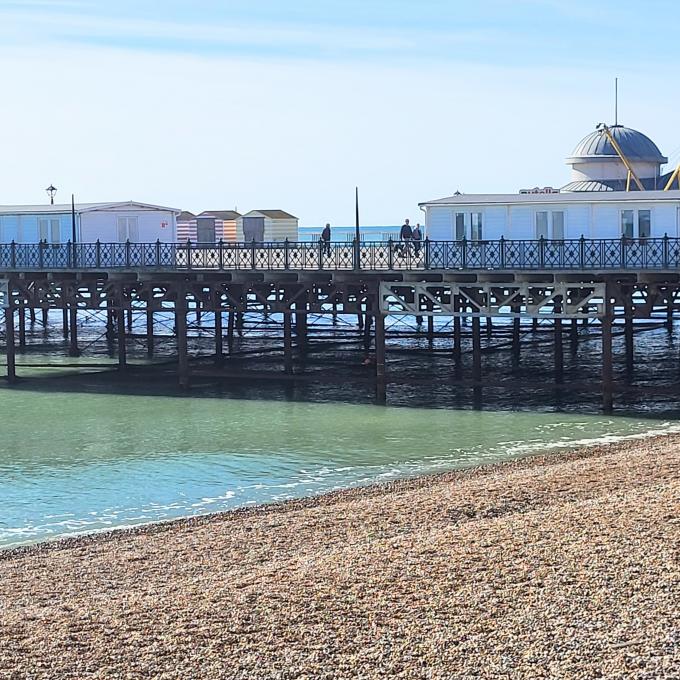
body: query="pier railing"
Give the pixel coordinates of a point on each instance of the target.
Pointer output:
(541, 254)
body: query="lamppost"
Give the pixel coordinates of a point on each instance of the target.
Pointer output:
(51, 190)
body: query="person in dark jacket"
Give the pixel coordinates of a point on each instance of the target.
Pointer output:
(326, 240)
(405, 235)
(417, 237)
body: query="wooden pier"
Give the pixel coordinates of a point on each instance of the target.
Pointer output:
(560, 283)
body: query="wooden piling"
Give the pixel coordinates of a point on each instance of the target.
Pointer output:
(120, 323)
(9, 344)
(22, 326)
(149, 331)
(628, 336)
(287, 342)
(73, 350)
(219, 346)
(182, 342)
(380, 377)
(230, 331)
(607, 359)
(477, 360)
(457, 349)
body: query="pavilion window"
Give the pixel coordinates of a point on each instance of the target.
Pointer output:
(541, 224)
(43, 226)
(558, 225)
(476, 226)
(644, 223)
(460, 226)
(627, 223)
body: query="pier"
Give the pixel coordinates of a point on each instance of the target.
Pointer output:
(499, 287)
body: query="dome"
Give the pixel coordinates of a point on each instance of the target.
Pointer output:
(635, 146)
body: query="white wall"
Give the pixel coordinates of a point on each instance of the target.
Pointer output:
(592, 220)
(103, 225)
(439, 224)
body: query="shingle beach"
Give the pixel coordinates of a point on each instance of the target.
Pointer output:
(558, 566)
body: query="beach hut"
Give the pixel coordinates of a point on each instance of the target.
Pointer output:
(267, 225)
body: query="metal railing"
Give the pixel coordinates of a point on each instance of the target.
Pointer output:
(540, 254)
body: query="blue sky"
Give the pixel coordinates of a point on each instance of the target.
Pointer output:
(290, 104)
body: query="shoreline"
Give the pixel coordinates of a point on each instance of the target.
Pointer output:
(326, 498)
(557, 565)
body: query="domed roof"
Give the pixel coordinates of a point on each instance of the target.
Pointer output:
(635, 146)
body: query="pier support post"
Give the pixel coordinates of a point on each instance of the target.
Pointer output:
(219, 343)
(367, 331)
(559, 353)
(31, 314)
(149, 331)
(10, 348)
(109, 319)
(457, 349)
(669, 310)
(516, 327)
(489, 328)
(573, 335)
(287, 342)
(380, 380)
(122, 350)
(628, 335)
(182, 347)
(64, 322)
(129, 320)
(73, 350)
(45, 313)
(430, 325)
(477, 360)
(607, 366)
(230, 331)
(22, 326)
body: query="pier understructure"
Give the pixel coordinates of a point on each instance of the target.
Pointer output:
(479, 301)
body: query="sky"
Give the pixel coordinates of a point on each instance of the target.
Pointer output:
(266, 104)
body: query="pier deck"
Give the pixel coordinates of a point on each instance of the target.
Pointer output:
(561, 282)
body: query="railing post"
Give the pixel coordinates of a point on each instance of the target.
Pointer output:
(69, 253)
(501, 255)
(127, 253)
(74, 247)
(252, 255)
(357, 253)
(541, 252)
(464, 253)
(98, 253)
(582, 252)
(158, 252)
(390, 254)
(665, 251)
(41, 254)
(188, 253)
(320, 253)
(286, 255)
(622, 251)
(220, 254)
(426, 264)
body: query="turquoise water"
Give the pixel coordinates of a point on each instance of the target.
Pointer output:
(75, 462)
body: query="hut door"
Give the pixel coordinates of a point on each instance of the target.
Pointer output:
(253, 229)
(205, 230)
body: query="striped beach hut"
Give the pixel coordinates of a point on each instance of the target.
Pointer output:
(267, 225)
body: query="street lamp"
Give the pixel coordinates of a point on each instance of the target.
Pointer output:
(51, 190)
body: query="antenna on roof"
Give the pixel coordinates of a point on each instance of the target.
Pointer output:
(616, 101)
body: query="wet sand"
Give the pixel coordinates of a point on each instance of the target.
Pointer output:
(562, 566)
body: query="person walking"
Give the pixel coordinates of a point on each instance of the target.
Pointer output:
(405, 235)
(417, 237)
(326, 240)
